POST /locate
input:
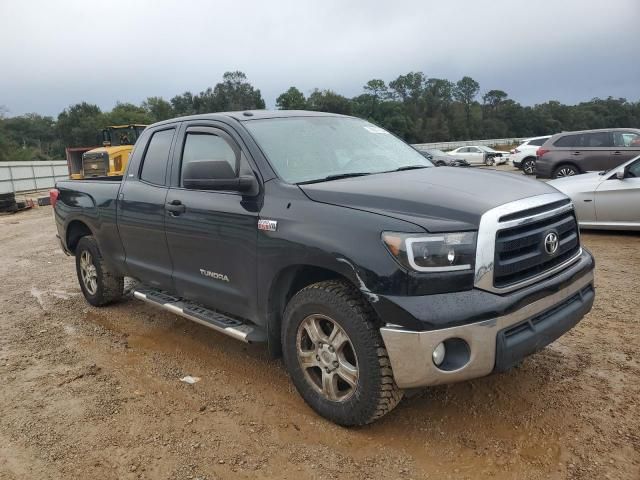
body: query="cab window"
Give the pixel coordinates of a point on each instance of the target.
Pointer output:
(154, 163)
(209, 147)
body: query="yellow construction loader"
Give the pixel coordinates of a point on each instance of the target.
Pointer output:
(111, 159)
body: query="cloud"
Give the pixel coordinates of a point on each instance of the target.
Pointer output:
(57, 53)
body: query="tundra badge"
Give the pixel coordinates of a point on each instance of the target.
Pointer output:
(214, 275)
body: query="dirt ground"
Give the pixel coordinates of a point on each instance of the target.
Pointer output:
(95, 393)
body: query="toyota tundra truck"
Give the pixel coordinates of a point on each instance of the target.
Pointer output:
(338, 246)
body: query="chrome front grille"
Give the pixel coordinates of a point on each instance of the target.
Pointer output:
(511, 250)
(520, 252)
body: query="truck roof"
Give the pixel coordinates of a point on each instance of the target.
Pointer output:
(247, 115)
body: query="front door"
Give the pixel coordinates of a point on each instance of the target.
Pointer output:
(141, 210)
(213, 239)
(617, 200)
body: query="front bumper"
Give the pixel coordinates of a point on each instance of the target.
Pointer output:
(480, 348)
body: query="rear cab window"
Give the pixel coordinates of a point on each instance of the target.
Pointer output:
(156, 157)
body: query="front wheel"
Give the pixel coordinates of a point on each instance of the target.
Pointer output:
(335, 356)
(529, 166)
(100, 286)
(489, 161)
(565, 171)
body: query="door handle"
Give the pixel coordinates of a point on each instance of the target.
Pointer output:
(175, 207)
(575, 153)
(616, 153)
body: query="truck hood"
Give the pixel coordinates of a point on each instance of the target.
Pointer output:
(438, 199)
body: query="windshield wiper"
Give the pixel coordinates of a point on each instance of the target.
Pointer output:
(336, 176)
(409, 167)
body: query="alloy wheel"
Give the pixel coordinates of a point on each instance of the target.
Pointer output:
(529, 167)
(88, 272)
(327, 357)
(566, 172)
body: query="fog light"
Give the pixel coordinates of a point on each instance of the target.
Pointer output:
(438, 354)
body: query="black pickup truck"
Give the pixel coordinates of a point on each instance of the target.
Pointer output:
(338, 245)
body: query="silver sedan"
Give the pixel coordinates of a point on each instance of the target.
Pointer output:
(606, 200)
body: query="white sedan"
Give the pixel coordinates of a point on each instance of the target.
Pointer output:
(480, 155)
(606, 200)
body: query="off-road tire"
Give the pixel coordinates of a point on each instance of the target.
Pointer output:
(110, 287)
(376, 393)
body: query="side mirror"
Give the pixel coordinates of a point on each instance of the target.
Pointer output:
(621, 174)
(216, 175)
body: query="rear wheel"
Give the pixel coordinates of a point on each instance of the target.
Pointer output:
(529, 166)
(565, 171)
(335, 355)
(99, 284)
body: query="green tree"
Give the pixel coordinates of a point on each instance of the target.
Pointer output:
(329, 101)
(158, 109)
(79, 125)
(183, 104)
(127, 113)
(232, 94)
(465, 92)
(292, 99)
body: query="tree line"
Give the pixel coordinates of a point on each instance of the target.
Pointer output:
(413, 106)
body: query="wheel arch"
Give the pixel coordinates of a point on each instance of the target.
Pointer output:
(289, 281)
(74, 232)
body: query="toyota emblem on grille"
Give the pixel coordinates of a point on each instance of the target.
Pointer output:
(551, 243)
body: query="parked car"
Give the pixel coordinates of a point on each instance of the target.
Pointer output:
(571, 153)
(480, 155)
(524, 155)
(336, 244)
(441, 159)
(606, 200)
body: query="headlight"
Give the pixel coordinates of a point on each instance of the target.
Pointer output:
(439, 252)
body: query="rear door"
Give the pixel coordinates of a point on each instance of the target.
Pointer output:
(213, 240)
(626, 145)
(596, 151)
(141, 209)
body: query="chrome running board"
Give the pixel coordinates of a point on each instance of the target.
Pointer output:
(209, 318)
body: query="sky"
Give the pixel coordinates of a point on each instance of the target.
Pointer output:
(57, 53)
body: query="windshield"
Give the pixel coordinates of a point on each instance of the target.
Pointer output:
(303, 149)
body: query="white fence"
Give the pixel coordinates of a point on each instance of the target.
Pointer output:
(28, 176)
(465, 143)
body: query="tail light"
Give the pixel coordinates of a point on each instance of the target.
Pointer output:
(540, 152)
(53, 196)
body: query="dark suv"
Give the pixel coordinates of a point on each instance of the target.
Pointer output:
(572, 153)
